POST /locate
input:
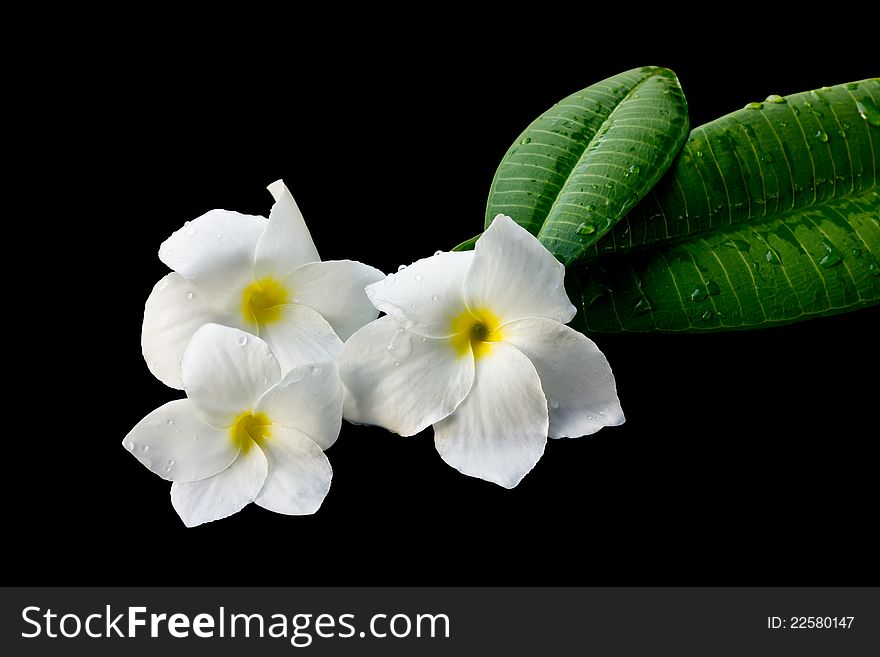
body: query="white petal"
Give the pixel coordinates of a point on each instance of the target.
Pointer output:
(225, 371)
(228, 492)
(299, 473)
(399, 380)
(335, 289)
(308, 399)
(216, 252)
(500, 430)
(175, 442)
(575, 375)
(427, 295)
(515, 276)
(286, 243)
(301, 336)
(174, 311)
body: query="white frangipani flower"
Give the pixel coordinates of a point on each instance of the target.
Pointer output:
(473, 343)
(262, 276)
(245, 433)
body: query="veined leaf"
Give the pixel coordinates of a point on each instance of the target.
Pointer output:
(776, 213)
(585, 162)
(753, 164)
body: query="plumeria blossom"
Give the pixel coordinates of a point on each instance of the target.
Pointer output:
(245, 433)
(474, 344)
(262, 276)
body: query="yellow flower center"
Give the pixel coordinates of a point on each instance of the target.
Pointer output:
(475, 331)
(262, 301)
(250, 428)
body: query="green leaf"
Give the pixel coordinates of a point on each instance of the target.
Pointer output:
(585, 162)
(769, 216)
(756, 163)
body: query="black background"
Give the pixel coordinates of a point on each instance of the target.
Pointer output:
(746, 457)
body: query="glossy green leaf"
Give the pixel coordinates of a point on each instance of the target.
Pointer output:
(770, 215)
(585, 162)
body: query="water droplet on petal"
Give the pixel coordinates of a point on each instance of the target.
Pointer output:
(189, 295)
(242, 340)
(553, 403)
(401, 267)
(435, 298)
(145, 448)
(314, 369)
(195, 436)
(419, 278)
(169, 421)
(438, 252)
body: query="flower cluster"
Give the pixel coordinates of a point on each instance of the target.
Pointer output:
(274, 347)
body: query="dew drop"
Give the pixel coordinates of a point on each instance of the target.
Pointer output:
(832, 258)
(585, 229)
(772, 256)
(189, 295)
(553, 403)
(822, 136)
(767, 158)
(145, 448)
(401, 267)
(635, 169)
(699, 293)
(412, 306)
(190, 232)
(712, 288)
(169, 421)
(525, 140)
(739, 245)
(708, 315)
(438, 252)
(774, 98)
(754, 106)
(314, 369)
(195, 436)
(868, 111)
(419, 278)
(642, 306)
(242, 341)
(435, 298)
